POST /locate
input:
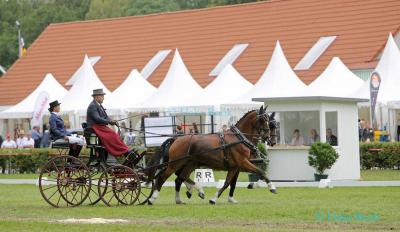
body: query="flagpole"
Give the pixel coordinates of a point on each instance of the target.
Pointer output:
(19, 39)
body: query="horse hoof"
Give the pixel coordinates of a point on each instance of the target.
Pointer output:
(149, 203)
(188, 194)
(250, 186)
(211, 202)
(232, 201)
(180, 203)
(273, 191)
(202, 195)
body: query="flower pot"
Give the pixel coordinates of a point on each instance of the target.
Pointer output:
(319, 177)
(253, 177)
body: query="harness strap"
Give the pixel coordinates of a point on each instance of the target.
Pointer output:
(225, 149)
(253, 149)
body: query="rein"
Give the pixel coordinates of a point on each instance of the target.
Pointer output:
(133, 116)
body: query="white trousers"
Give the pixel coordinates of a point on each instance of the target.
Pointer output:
(73, 139)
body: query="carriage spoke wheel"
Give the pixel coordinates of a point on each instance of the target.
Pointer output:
(146, 187)
(95, 173)
(64, 181)
(119, 185)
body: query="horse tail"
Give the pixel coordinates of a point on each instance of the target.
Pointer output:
(160, 157)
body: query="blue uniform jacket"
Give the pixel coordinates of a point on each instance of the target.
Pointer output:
(57, 130)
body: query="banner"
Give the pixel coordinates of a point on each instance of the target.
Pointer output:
(374, 89)
(42, 102)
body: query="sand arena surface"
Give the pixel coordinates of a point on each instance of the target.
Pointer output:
(93, 220)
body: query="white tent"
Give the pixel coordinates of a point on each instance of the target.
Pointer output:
(176, 90)
(80, 95)
(133, 91)
(77, 74)
(388, 69)
(226, 87)
(335, 81)
(25, 108)
(278, 80)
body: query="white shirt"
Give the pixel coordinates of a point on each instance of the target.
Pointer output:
(9, 144)
(28, 143)
(19, 142)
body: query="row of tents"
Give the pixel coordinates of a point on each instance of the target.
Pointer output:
(229, 91)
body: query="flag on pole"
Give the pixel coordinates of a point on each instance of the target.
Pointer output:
(22, 46)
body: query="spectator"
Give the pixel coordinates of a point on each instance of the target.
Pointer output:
(224, 128)
(314, 137)
(36, 136)
(8, 143)
(330, 138)
(28, 141)
(129, 138)
(20, 138)
(1, 140)
(46, 137)
(179, 130)
(297, 139)
(195, 128)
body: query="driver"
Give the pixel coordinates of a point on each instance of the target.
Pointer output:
(97, 119)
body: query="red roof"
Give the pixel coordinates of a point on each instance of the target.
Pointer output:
(203, 37)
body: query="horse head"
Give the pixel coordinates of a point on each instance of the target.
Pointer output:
(272, 130)
(261, 124)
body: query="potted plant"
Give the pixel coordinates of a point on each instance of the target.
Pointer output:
(321, 156)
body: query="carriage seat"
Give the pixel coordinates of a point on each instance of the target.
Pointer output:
(60, 145)
(92, 141)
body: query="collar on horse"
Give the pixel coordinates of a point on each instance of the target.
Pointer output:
(253, 148)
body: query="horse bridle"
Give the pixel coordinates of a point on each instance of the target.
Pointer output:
(272, 125)
(264, 117)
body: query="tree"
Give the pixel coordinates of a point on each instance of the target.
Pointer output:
(141, 7)
(100, 9)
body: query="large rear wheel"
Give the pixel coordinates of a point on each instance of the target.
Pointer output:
(64, 181)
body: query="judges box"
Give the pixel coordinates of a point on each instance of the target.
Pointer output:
(204, 175)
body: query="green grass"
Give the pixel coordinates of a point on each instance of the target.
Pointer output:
(380, 174)
(19, 176)
(369, 175)
(23, 209)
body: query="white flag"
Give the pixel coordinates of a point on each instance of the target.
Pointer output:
(42, 101)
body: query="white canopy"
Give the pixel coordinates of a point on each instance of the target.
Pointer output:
(25, 108)
(80, 94)
(133, 91)
(335, 81)
(388, 69)
(278, 80)
(226, 87)
(77, 74)
(176, 90)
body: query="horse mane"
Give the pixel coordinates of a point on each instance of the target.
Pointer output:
(244, 116)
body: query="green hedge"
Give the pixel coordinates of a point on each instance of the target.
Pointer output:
(387, 158)
(27, 160)
(31, 160)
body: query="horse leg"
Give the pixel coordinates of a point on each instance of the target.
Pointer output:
(183, 175)
(178, 184)
(229, 176)
(247, 166)
(190, 185)
(232, 190)
(159, 183)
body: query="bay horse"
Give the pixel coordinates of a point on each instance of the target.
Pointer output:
(190, 184)
(231, 152)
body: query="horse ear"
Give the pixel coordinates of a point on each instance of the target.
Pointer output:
(265, 108)
(272, 116)
(261, 110)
